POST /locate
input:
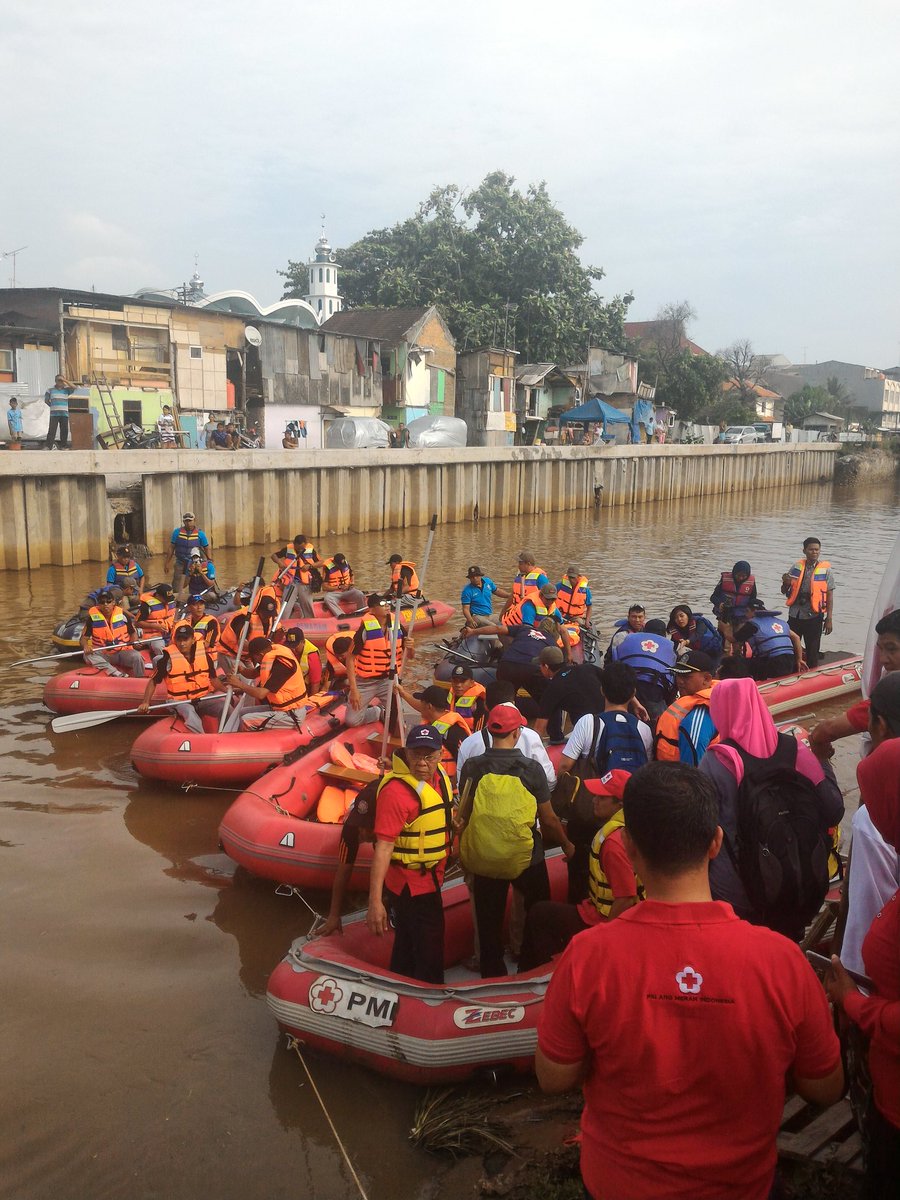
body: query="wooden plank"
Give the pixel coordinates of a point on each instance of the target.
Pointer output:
(346, 774)
(848, 1152)
(814, 1136)
(794, 1105)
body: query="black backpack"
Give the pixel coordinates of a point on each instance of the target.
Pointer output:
(782, 847)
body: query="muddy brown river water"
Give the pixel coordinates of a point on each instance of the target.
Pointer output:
(139, 1058)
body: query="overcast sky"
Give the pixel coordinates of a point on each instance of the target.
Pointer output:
(741, 156)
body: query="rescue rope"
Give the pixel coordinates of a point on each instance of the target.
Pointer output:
(294, 1044)
(189, 786)
(288, 889)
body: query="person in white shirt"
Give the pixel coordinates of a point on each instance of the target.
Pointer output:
(530, 743)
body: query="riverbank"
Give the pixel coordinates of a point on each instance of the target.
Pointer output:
(864, 466)
(64, 508)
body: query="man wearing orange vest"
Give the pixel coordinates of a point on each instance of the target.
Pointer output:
(573, 597)
(295, 562)
(189, 673)
(809, 587)
(338, 587)
(281, 688)
(107, 626)
(404, 580)
(368, 662)
(685, 730)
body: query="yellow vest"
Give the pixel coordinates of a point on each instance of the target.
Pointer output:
(600, 892)
(425, 841)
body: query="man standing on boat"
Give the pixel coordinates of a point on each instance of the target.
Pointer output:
(412, 843)
(368, 663)
(185, 538)
(809, 587)
(682, 987)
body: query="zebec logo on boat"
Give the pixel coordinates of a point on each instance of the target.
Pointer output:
(353, 1001)
(472, 1015)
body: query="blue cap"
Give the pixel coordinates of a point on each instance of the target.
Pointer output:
(424, 737)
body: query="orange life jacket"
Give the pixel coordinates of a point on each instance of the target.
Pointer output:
(413, 585)
(572, 601)
(161, 614)
(374, 659)
(335, 578)
(526, 586)
(818, 585)
(442, 724)
(334, 661)
(292, 693)
(186, 680)
(465, 705)
(113, 632)
(228, 637)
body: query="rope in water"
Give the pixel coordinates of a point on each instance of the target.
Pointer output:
(294, 1044)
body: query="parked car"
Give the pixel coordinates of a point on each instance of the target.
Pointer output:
(739, 435)
(764, 430)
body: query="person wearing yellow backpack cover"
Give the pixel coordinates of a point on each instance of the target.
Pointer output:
(505, 797)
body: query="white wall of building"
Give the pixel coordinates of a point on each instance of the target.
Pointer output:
(276, 417)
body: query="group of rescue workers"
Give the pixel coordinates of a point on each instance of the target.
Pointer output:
(473, 777)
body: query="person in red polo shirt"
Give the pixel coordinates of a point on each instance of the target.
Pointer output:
(680, 1021)
(412, 842)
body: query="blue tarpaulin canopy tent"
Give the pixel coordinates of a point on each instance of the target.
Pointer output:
(596, 409)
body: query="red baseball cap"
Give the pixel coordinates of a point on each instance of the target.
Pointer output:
(504, 718)
(610, 784)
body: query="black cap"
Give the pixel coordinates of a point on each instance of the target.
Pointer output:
(474, 571)
(395, 558)
(461, 672)
(436, 696)
(694, 661)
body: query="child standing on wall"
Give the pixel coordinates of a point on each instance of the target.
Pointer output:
(14, 421)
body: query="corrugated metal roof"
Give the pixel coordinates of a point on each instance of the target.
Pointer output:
(531, 374)
(380, 324)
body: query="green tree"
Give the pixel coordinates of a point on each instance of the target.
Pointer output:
(691, 384)
(501, 263)
(804, 403)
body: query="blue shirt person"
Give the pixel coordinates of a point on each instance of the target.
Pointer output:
(14, 420)
(477, 598)
(57, 400)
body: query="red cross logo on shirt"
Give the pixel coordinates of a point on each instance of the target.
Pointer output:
(777, 628)
(324, 995)
(650, 647)
(689, 981)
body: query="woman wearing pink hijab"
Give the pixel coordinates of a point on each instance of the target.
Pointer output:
(741, 717)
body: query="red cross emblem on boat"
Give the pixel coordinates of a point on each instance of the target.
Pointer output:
(650, 647)
(689, 981)
(324, 995)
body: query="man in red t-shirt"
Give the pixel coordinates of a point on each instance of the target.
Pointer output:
(856, 718)
(412, 841)
(681, 1021)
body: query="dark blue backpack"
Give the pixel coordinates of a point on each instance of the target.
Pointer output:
(622, 747)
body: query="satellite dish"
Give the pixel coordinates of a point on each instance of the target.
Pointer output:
(253, 336)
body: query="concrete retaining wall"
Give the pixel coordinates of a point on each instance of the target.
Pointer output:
(56, 509)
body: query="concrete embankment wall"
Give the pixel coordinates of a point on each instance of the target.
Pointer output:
(56, 506)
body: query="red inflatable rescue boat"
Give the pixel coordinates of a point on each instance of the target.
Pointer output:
(170, 752)
(338, 994)
(91, 690)
(270, 829)
(429, 615)
(826, 682)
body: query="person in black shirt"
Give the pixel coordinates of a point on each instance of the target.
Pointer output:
(572, 688)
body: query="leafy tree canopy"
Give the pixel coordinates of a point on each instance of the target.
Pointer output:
(691, 384)
(804, 403)
(501, 263)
